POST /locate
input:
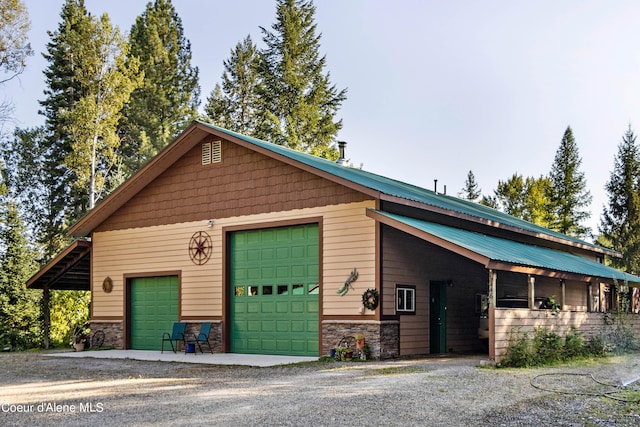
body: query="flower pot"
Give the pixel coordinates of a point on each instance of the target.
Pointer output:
(332, 352)
(79, 346)
(360, 344)
(348, 355)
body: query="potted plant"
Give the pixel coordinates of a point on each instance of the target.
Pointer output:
(344, 353)
(360, 341)
(79, 342)
(80, 337)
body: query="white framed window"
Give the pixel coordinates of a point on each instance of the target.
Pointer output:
(405, 299)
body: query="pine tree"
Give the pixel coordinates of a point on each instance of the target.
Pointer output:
(620, 221)
(19, 307)
(299, 102)
(63, 202)
(235, 106)
(570, 196)
(218, 109)
(471, 190)
(511, 194)
(107, 84)
(170, 93)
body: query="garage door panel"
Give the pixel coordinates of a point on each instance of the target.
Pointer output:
(154, 309)
(283, 326)
(298, 307)
(268, 307)
(283, 272)
(287, 256)
(268, 326)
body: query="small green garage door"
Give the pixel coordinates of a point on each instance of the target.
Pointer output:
(154, 309)
(274, 291)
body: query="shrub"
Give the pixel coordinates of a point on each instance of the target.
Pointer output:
(596, 346)
(519, 352)
(574, 345)
(547, 347)
(623, 340)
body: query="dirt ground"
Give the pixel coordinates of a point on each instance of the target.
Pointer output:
(42, 390)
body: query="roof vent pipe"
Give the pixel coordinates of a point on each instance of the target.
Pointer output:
(341, 159)
(435, 185)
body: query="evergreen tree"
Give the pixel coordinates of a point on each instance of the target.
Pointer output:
(510, 195)
(235, 106)
(64, 202)
(620, 221)
(169, 96)
(29, 174)
(299, 102)
(570, 196)
(19, 307)
(107, 84)
(471, 190)
(490, 201)
(218, 109)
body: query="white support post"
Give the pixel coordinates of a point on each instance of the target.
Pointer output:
(493, 280)
(532, 291)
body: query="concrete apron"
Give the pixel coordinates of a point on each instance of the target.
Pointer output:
(260, 360)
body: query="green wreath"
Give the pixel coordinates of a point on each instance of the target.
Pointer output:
(370, 299)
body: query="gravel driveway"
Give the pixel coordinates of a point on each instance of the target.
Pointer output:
(37, 390)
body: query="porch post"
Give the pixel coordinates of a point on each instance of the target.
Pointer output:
(589, 297)
(493, 279)
(46, 315)
(532, 291)
(562, 294)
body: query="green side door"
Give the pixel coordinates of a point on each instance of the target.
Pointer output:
(438, 317)
(154, 309)
(274, 291)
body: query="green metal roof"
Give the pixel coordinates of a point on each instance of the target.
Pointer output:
(515, 253)
(406, 191)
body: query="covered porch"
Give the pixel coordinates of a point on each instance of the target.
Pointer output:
(69, 270)
(511, 284)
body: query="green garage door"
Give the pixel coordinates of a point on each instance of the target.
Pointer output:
(274, 291)
(154, 309)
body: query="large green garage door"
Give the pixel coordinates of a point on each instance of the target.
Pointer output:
(154, 309)
(274, 291)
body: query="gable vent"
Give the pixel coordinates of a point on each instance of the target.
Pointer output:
(211, 152)
(216, 151)
(206, 153)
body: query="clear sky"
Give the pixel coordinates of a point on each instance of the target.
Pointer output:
(435, 88)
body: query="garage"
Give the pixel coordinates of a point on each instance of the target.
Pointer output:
(153, 308)
(274, 295)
